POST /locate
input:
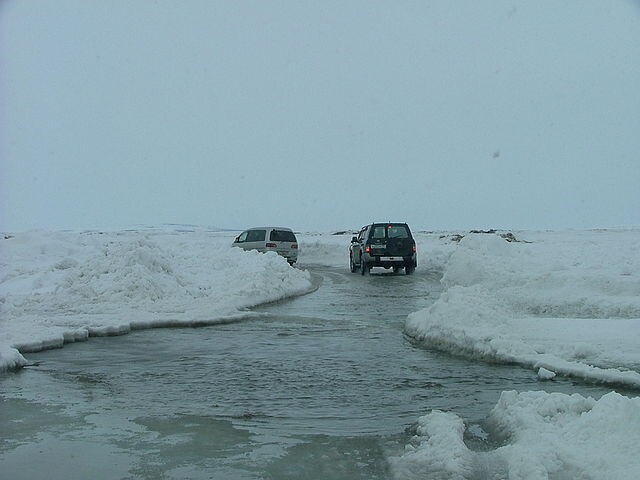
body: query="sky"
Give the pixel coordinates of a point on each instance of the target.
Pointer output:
(319, 115)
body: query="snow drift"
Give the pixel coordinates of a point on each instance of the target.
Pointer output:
(62, 287)
(543, 435)
(568, 303)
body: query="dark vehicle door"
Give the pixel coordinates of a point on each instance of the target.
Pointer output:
(399, 241)
(377, 240)
(356, 247)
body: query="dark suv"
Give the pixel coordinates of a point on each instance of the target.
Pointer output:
(388, 245)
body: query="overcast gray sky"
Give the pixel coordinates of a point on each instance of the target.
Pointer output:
(319, 115)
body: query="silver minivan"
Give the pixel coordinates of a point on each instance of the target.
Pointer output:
(270, 239)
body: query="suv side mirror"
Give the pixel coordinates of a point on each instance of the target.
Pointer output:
(354, 239)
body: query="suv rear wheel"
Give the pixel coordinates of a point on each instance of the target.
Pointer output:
(364, 268)
(352, 266)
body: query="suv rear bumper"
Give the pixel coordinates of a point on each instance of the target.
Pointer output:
(388, 261)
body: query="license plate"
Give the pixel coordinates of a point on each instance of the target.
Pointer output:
(391, 259)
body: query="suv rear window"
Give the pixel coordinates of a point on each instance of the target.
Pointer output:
(390, 231)
(282, 236)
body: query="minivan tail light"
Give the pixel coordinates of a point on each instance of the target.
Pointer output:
(271, 245)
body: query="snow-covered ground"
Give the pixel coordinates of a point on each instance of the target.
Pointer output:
(59, 287)
(560, 302)
(566, 303)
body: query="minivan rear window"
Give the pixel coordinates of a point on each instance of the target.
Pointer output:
(282, 236)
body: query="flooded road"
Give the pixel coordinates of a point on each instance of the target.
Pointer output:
(324, 386)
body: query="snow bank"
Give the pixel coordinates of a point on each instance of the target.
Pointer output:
(543, 435)
(331, 250)
(568, 302)
(436, 451)
(58, 287)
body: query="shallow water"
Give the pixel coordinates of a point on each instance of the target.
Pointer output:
(324, 386)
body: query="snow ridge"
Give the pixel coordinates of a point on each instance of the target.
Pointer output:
(543, 435)
(60, 287)
(568, 303)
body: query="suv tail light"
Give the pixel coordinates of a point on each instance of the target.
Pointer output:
(367, 249)
(271, 245)
(294, 246)
(413, 248)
